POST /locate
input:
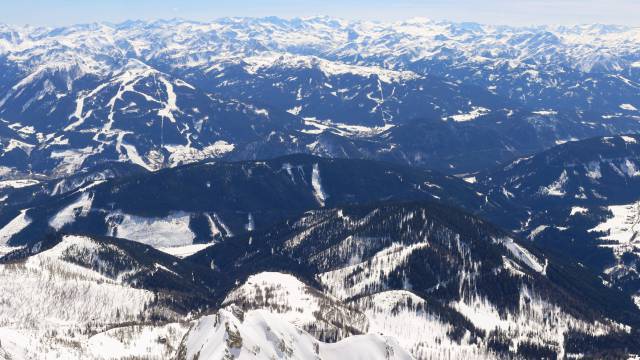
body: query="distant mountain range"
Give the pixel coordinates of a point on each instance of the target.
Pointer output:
(456, 97)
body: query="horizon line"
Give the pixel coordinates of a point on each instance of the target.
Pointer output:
(306, 18)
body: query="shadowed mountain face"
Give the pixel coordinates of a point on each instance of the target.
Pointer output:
(579, 200)
(215, 200)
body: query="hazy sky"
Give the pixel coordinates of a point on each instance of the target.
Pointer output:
(512, 12)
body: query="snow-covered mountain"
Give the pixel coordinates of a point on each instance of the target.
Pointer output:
(96, 48)
(281, 247)
(163, 93)
(80, 297)
(388, 280)
(104, 299)
(442, 282)
(262, 335)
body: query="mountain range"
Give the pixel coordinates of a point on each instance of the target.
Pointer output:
(267, 188)
(163, 93)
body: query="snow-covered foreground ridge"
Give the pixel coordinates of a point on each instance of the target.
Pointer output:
(419, 327)
(468, 290)
(75, 312)
(81, 305)
(262, 335)
(323, 316)
(51, 307)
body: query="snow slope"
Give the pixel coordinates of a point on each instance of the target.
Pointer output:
(79, 208)
(171, 231)
(13, 227)
(321, 315)
(83, 298)
(406, 316)
(261, 335)
(65, 301)
(621, 227)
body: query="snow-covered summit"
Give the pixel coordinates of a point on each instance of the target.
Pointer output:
(321, 315)
(261, 335)
(187, 43)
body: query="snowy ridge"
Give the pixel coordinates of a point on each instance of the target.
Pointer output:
(186, 43)
(377, 259)
(90, 302)
(444, 284)
(322, 316)
(65, 299)
(329, 68)
(125, 87)
(262, 335)
(130, 100)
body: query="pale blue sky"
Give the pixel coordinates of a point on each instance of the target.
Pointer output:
(511, 12)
